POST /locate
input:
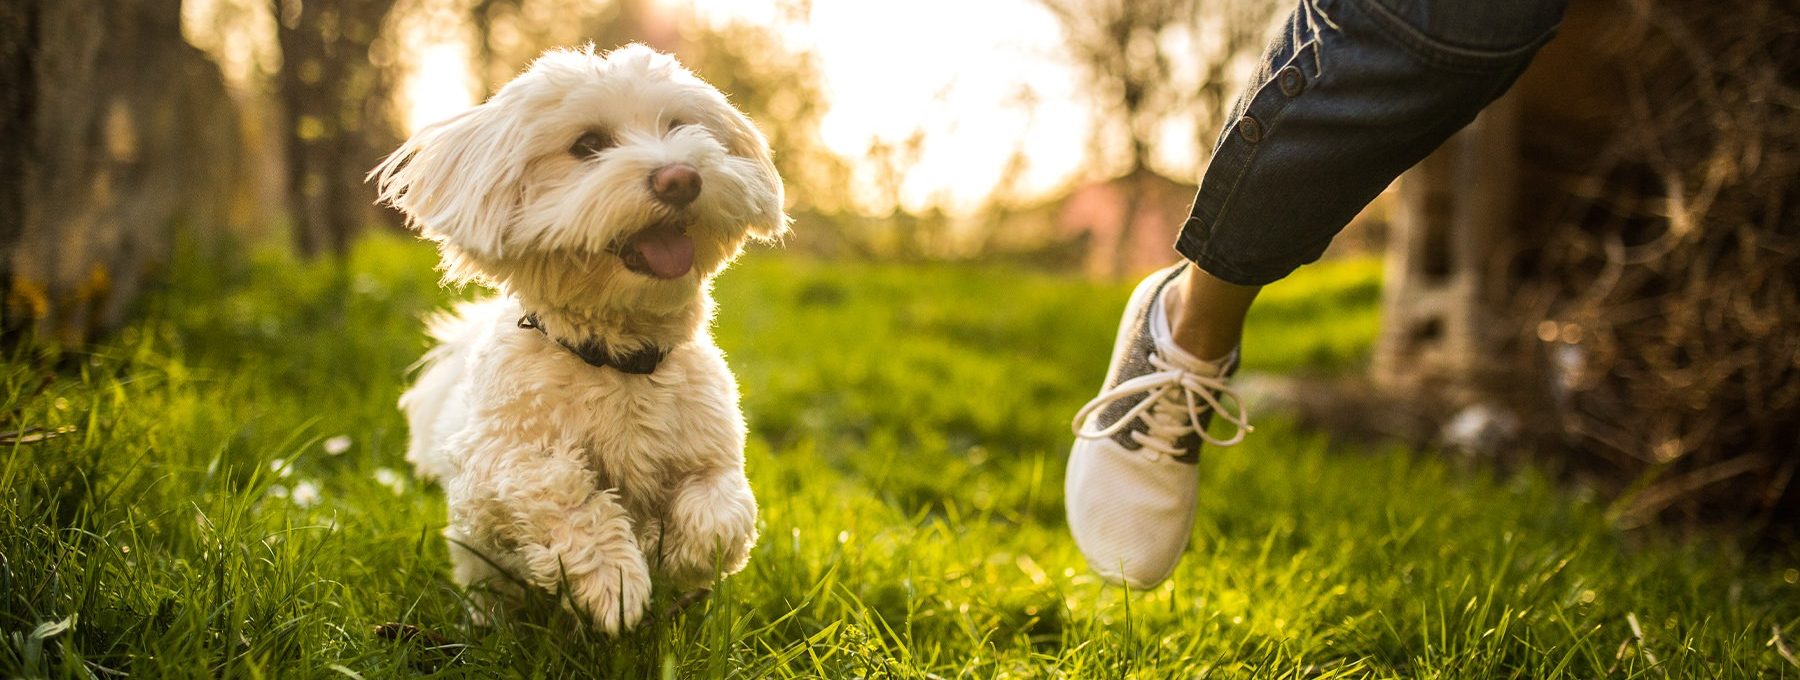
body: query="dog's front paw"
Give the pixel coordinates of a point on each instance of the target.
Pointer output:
(711, 528)
(614, 596)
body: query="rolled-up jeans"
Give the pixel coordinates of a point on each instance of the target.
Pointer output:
(1350, 94)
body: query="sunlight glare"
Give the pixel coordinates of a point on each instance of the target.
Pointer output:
(440, 85)
(954, 70)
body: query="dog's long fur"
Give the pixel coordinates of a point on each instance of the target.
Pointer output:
(576, 479)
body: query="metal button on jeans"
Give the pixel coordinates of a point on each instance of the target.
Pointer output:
(1250, 129)
(1292, 82)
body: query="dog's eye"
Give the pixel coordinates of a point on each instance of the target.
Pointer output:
(590, 144)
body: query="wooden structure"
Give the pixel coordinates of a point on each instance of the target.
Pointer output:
(1454, 214)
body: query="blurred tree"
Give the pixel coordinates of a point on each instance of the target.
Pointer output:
(18, 40)
(1120, 46)
(114, 131)
(510, 33)
(1127, 47)
(898, 233)
(781, 88)
(1232, 34)
(336, 114)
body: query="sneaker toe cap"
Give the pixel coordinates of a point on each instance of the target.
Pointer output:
(1130, 516)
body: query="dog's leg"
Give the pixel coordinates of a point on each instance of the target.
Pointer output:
(710, 527)
(546, 510)
(478, 569)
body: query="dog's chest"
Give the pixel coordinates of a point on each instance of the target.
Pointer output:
(640, 434)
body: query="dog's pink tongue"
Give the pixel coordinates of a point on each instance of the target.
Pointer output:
(669, 252)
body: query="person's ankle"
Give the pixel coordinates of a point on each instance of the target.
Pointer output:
(1194, 338)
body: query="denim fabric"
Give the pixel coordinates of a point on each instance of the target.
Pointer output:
(1348, 96)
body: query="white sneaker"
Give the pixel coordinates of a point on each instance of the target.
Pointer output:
(1132, 479)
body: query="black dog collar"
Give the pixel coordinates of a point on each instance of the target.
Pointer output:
(641, 362)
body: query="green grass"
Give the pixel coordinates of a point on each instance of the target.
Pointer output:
(908, 430)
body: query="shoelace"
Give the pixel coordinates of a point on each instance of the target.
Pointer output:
(1165, 427)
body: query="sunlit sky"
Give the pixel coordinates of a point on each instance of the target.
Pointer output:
(893, 68)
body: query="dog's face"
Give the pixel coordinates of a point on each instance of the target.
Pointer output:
(621, 171)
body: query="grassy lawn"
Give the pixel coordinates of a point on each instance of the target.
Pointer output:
(233, 502)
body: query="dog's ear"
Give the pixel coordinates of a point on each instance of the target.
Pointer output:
(769, 221)
(458, 180)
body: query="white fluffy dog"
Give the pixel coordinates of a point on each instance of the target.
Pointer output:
(583, 424)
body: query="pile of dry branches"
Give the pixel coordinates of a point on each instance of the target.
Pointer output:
(1664, 285)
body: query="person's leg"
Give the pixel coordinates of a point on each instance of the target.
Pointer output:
(1350, 95)
(1354, 93)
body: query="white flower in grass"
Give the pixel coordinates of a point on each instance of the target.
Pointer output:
(278, 491)
(305, 494)
(394, 481)
(364, 284)
(280, 467)
(336, 446)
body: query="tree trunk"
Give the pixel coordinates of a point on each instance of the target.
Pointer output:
(18, 45)
(330, 95)
(118, 132)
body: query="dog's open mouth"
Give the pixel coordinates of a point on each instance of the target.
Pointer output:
(662, 250)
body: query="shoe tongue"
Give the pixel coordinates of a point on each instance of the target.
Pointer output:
(668, 252)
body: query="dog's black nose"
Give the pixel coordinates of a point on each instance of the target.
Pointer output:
(676, 185)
